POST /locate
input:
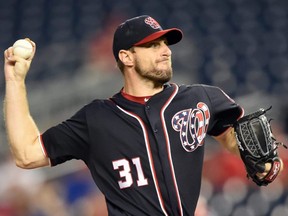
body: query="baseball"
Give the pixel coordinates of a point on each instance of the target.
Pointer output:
(22, 48)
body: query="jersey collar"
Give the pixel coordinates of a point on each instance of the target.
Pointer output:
(141, 100)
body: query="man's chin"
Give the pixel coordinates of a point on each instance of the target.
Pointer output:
(161, 81)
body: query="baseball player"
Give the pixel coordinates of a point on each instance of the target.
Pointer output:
(144, 146)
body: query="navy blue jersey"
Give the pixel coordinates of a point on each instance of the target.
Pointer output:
(146, 158)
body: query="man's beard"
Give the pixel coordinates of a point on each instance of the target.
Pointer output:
(158, 77)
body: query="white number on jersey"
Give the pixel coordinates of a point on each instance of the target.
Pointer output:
(123, 166)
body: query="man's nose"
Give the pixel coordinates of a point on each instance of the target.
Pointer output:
(166, 50)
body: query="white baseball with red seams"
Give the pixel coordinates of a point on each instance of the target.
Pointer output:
(22, 48)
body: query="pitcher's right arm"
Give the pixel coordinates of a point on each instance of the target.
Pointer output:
(22, 132)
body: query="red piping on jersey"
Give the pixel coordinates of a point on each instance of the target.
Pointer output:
(168, 146)
(242, 113)
(42, 145)
(44, 149)
(145, 133)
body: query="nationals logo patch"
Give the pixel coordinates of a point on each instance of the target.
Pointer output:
(192, 125)
(153, 23)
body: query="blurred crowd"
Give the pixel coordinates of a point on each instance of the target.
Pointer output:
(34, 193)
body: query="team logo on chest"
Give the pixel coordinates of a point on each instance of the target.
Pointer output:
(192, 125)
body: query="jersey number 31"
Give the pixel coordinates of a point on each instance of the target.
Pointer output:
(124, 168)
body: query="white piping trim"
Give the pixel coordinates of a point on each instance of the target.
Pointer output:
(169, 149)
(149, 156)
(41, 145)
(42, 148)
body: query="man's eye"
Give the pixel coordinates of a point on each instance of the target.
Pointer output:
(154, 44)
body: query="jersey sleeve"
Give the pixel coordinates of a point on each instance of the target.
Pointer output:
(68, 140)
(225, 110)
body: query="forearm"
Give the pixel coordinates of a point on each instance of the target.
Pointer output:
(21, 129)
(228, 141)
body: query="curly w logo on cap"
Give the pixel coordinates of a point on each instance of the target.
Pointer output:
(140, 30)
(152, 22)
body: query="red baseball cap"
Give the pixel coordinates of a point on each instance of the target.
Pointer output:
(140, 30)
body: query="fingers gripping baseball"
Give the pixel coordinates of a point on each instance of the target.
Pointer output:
(18, 59)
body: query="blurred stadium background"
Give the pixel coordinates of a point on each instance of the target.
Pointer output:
(238, 45)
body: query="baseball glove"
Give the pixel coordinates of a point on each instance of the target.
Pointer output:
(258, 146)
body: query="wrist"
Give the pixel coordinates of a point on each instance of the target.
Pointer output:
(14, 82)
(15, 89)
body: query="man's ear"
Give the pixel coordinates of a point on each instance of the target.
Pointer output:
(126, 57)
